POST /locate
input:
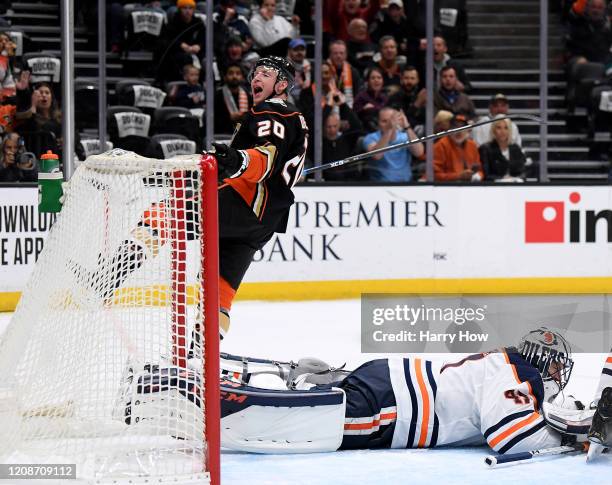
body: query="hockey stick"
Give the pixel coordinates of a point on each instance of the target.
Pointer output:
(433, 136)
(493, 461)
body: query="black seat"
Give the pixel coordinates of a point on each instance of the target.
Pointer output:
(44, 67)
(175, 119)
(86, 100)
(128, 128)
(170, 145)
(91, 146)
(600, 120)
(581, 82)
(145, 28)
(124, 90)
(452, 23)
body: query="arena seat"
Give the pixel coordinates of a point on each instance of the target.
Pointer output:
(128, 128)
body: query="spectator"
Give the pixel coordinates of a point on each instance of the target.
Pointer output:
(390, 64)
(232, 101)
(502, 159)
(456, 156)
(348, 78)
(233, 53)
(448, 97)
(411, 98)
(37, 110)
(285, 8)
(332, 99)
(392, 166)
(338, 13)
(371, 99)
(190, 95)
(303, 72)
(7, 83)
(229, 25)
(442, 122)
(360, 49)
(497, 106)
(442, 59)
(590, 37)
(272, 32)
(185, 37)
(338, 145)
(305, 10)
(12, 168)
(394, 22)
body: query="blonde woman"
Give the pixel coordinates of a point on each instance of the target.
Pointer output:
(502, 159)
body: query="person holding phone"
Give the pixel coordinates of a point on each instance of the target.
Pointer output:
(15, 165)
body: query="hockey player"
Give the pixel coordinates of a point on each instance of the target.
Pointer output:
(493, 397)
(257, 172)
(600, 434)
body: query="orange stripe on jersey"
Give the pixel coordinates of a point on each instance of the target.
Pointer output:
(512, 367)
(276, 113)
(514, 429)
(371, 424)
(260, 162)
(425, 395)
(246, 190)
(609, 360)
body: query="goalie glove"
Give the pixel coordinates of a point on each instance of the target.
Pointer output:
(232, 163)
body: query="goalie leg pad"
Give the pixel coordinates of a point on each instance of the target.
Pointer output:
(264, 421)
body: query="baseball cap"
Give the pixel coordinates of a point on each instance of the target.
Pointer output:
(397, 3)
(499, 97)
(296, 43)
(458, 120)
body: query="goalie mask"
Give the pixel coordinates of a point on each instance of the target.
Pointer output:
(551, 354)
(285, 71)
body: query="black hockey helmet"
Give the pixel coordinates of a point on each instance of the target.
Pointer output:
(284, 69)
(551, 354)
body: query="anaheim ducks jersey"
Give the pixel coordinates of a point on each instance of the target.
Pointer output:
(491, 398)
(274, 136)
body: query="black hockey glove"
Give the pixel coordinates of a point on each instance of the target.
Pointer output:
(230, 160)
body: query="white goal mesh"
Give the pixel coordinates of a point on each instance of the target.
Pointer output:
(96, 364)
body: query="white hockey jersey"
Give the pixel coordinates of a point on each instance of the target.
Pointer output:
(492, 398)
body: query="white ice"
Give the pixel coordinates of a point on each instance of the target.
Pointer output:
(330, 330)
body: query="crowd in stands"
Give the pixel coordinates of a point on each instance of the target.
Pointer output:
(588, 56)
(372, 88)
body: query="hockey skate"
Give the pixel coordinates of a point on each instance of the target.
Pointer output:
(600, 434)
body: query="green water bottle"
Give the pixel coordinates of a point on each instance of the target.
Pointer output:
(50, 180)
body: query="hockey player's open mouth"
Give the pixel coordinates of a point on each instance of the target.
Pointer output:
(257, 89)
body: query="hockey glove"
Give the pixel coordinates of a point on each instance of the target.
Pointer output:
(232, 162)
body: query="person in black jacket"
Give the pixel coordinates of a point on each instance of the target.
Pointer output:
(183, 43)
(501, 158)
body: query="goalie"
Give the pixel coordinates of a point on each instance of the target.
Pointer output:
(510, 399)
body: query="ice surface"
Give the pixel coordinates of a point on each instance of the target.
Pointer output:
(330, 330)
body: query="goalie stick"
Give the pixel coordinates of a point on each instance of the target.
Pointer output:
(433, 136)
(493, 461)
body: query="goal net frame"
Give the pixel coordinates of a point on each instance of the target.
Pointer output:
(205, 310)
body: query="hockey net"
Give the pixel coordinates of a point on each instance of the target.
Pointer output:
(96, 368)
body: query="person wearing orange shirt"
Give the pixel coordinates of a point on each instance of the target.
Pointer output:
(456, 156)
